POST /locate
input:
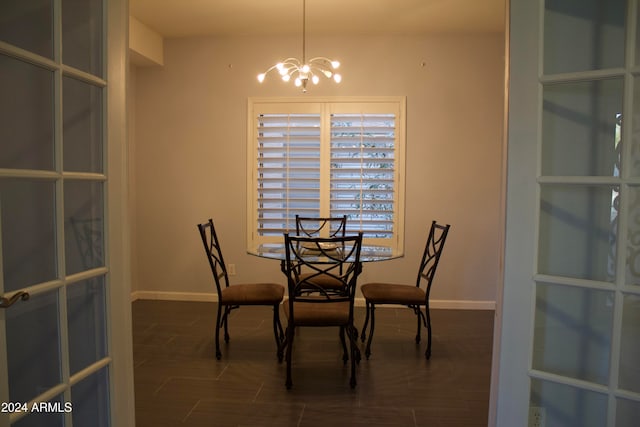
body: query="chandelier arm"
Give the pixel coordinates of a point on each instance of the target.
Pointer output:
(273, 67)
(321, 58)
(288, 64)
(318, 68)
(292, 61)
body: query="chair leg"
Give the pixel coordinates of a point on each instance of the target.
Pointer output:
(218, 326)
(345, 352)
(289, 339)
(372, 313)
(353, 339)
(277, 330)
(428, 352)
(354, 336)
(419, 330)
(366, 322)
(280, 330)
(225, 321)
(282, 346)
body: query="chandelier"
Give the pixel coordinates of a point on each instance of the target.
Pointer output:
(301, 71)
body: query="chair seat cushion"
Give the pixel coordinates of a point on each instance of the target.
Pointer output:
(253, 294)
(388, 293)
(319, 313)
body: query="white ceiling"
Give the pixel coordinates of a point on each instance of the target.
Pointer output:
(185, 18)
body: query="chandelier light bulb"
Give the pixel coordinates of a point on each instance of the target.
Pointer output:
(337, 78)
(261, 77)
(297, 82)
(315, 79)
(335, 64)
(286, 77)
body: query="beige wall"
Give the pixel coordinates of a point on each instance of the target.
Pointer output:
(131, 128)
(190, 149)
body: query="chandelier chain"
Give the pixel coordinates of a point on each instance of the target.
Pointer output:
(304, 30)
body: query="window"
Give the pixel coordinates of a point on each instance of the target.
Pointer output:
(327, 158)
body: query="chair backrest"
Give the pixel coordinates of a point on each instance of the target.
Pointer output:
(214, 254)
(336, 257)
(431, 256)
(321, 227)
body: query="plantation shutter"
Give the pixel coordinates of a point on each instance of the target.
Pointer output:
(288, 178)
(320, 157)
(363, 172)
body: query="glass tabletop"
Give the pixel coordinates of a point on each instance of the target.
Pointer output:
(368, 253)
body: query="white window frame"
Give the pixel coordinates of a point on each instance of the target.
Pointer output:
(326, 106)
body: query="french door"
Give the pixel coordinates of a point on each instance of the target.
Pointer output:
(64, 346)
(570, 340)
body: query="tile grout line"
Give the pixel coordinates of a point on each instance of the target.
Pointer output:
(156, 391)
(191, 410)
(304, 406)
(255, 398)
(222, 372)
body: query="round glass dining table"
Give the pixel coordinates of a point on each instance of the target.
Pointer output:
(368, 253)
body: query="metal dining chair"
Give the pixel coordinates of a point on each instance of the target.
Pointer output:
(321, 227)
(337, 258)
(234, 296)
(414, 297)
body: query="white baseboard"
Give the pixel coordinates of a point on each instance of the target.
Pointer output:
(359, 302)
(445, 304)
(174, 296)
(463, 305)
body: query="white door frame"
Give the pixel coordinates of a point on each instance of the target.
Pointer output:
(497, 329)
(515, 297)
(120, 337)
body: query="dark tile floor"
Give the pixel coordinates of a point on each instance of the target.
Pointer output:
(178, 381)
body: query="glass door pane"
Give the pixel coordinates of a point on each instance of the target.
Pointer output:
(86, 323)
(580, 128)
(632, 260)
(91, 400)
(42, 419)
(564, 406)
(573, 332)
(627, 413)
(82, 129)
(28, 232)
(28, 24)
(26, 115)
(84, 225)
(568, 244)
(583, 35)
(82, 42)
(33, 346)
(629, 377)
